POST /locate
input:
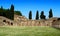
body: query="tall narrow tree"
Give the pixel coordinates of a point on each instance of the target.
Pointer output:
(12, 8)
(42, 16)
(1, 7)
(1, 11)
(12, 12)
(30, 15)
(50, 13)
(37, 15)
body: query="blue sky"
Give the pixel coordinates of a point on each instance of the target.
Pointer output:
(26, 5)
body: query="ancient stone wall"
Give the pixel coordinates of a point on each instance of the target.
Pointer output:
(22, 21)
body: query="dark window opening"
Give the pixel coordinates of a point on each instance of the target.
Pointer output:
(11, 23)
(58, 19)
(54, 20)
(4, 20)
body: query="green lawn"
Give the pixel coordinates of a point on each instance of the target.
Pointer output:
(28, 31)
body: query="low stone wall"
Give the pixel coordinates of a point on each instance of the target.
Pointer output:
(33, 23)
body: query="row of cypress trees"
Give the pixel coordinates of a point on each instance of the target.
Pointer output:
(42, 16)
(9, 13)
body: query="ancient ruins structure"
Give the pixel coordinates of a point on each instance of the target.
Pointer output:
(23, 21)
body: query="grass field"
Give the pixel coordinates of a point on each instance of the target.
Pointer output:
(28, 31)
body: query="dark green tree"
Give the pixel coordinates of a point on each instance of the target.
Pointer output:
(12, 8)
(1, 11)
(30, 15)
(8, 13)
(42, 16)
(1, 7)
(37, 15)
(50, 13)
(12, 12)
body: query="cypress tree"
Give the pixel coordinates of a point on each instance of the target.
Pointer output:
(12, 12)
(30, 15)
(42, 16)
(37, 15)
(50, 13)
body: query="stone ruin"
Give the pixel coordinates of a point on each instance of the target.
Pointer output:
(56, 23)
(23, 21)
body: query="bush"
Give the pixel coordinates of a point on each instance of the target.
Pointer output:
(18, 13)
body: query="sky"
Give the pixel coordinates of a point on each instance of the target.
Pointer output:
(26, 5)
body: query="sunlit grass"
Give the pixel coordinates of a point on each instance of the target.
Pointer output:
(28, 31)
